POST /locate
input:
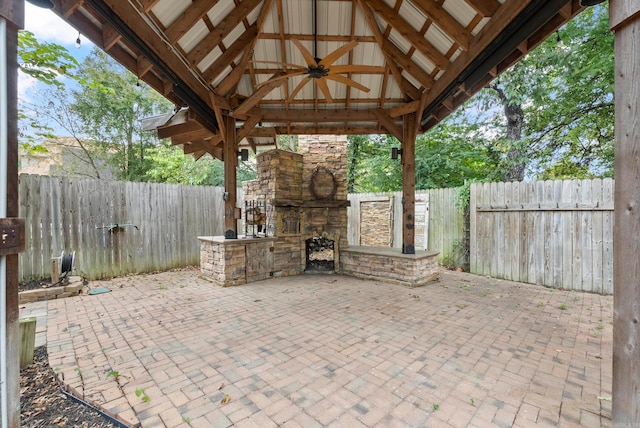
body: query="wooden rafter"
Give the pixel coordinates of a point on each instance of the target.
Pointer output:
(188, 19)
(230, 83)
(445, 22)
(214, 38)
(380, 39)
(231, 53)
(408, 32)
(485, 7)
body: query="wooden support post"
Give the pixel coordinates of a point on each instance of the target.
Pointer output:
(12, 17)
(230, 164)
(27, 340)
(409, 184)
(625, 20)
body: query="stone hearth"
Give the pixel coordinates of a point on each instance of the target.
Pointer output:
(299, 199)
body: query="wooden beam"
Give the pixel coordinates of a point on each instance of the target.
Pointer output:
(109, 36)
(259, 94)
(485, 7)
(445, 22)
(388, 123)
(272, 115)
(247, 127)
(209, 146)
(230, 164)
(409, 184)
(192, 136)
(225, 60)
(130, 15)
(143, 67)
(316, 130)
(188, 19)
(409, 66)
(624, 17)
(404, 109)
(147, 5)
(215, 37)
(402, 83)
(408, 32)
(68, 7)
(230, 83)
(494, 27)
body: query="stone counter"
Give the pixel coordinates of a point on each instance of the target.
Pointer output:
(236, 261)
(390, 265)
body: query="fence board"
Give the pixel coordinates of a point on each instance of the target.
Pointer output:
(554, 233)
(68, 214)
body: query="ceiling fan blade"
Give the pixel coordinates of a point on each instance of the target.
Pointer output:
(284, 64)
(358, 69)
(333, 56)
(311, 61)
(298, 88)
(322, 84)
(286, 75)
(348, 82)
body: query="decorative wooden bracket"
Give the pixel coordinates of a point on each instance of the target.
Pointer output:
(11, 236)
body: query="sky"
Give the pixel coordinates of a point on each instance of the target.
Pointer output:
(48, 27)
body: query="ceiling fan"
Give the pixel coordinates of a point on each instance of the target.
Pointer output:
(321, 70)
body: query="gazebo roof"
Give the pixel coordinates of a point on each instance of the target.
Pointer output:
(312, 66)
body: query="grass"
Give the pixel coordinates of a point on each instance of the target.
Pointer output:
(563, 306)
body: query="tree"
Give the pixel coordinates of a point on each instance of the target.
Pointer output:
(110, 106)
(552, 113)
(50, 64)
(447, 156)
(171, 165)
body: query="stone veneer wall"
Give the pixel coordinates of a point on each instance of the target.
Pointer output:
(283, 181)
(387, 265)
(329, 151)
(224, 264)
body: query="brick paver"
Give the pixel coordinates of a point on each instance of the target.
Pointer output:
(329, 350)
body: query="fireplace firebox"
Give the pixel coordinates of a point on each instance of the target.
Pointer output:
(320, 255)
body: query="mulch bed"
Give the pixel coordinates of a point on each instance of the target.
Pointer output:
(34, 285)
(42, 403)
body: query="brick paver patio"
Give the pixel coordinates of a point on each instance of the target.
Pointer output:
(329, 350)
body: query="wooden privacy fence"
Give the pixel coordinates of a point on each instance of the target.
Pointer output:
(77, 214)
(554, 233)
(375, 219)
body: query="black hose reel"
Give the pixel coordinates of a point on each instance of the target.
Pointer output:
(61, 267)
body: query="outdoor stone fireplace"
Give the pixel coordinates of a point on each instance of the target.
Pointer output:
(303, 206)
(296, 222)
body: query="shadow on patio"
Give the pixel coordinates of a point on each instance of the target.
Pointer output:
(330, 350)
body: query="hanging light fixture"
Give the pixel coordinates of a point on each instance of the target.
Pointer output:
(45, 4)
(587, 3)
(78, 41)
(395, 153)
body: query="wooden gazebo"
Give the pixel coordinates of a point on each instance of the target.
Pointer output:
(246, 71)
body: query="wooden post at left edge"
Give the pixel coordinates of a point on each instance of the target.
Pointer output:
(230, 191)
(12, 13)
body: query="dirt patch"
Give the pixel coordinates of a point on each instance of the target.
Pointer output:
(42, 403)
(36, 284)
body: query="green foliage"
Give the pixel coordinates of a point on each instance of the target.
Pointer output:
(142, 395)
(171, 165)
(447, 156)
(46, 62)
(109, 108)
(552, 113)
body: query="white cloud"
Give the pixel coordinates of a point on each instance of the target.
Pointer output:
(49, 27)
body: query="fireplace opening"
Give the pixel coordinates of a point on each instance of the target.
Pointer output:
(320, 255)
